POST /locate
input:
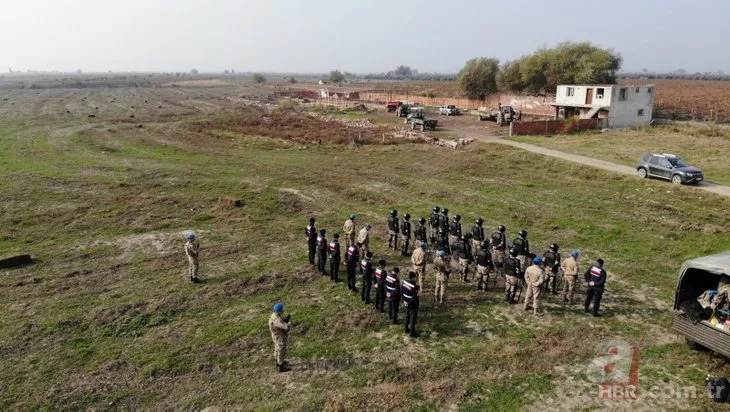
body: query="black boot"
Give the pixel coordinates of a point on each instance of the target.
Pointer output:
(282, 368)
(508, 297)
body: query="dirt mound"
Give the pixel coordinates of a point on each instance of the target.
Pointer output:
(298, 127)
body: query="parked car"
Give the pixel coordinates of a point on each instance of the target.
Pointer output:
(702, 327)
(392, 106)
(417, 120)
(670, 167)
(449, 110)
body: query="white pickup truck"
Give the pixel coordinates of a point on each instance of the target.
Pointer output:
(449, 110)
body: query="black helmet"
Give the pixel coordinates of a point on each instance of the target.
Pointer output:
(485, 244)
(463, 237)
(311, 220)
(523, 233)
(457, 218)
(445, 211)
(554, 247)
(421, 220)
(406, 216)
(480, 221)
(513, 252)
(502, 228)
(436, 209)
(394, 212)
(322, 231)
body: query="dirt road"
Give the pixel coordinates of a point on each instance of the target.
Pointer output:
(464, 126)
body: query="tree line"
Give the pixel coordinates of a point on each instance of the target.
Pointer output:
(541, 71)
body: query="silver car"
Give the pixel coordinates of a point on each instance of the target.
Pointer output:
(670, 167)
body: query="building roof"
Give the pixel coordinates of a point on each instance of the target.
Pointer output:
(584, 106)
(606, 85)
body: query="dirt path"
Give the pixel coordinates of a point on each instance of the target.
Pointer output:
(466, 127)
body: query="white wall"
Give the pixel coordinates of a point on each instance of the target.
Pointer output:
(625, 113)
(579, 95)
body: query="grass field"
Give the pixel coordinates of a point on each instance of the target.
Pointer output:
(701, 146)
(105, 319)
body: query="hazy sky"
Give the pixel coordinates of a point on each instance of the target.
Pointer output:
(358, 36)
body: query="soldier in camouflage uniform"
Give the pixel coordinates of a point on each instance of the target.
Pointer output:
(192, 251)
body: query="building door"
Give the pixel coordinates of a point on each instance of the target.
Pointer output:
(589, 96)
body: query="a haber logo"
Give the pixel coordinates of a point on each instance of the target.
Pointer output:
(615, 370)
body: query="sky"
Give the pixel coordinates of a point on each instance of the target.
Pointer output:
(368, 36)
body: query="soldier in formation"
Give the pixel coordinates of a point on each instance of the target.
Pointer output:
(409, 293)
(311, 233)
(418, 259)
(349, 230)
(393, 229)
(477, 236)
(534, 278)
(570, 274)
(393, 294)
(420, 232)
(322, 248)
(433, 223)
(523, 248)
(442, 266)
(380, 275)
(551, 261)
(366, 270)
(454, 232)
(462, 254)
(595, 276)
(363, 238)
(499, 244)
(405, 232)
(352, 259)
(334, 249)
(513, 274)
(483, 259)
(192, 251)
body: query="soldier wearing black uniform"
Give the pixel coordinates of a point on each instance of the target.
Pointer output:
(334, 248)
(392, 293)
(551, 260)
(420, 232)
(405, 231)
(461, 252)
(379, 283)
(477, 235)
(523, 249)
(322, 248)
(366, 269)
(433, 221)
(409, 292)
(514, 275)
(483, 258)
(441, 242)
(454, 231)
(444, 219)
(311, 232)
(499, 245)
(352, 258)
(393, 229)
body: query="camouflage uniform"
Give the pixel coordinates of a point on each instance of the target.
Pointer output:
(534, 278)
(570, 273)
(418, 258)
(463, 256)
(349, 229)
(484, 264)
(192, 251)
(441, 264)
(499, 244)
(279, 334)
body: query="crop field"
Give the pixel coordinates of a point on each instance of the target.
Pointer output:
(104, 318)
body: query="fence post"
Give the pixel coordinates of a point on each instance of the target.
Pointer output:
(511, 128)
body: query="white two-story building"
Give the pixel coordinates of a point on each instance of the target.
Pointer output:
(620, 106)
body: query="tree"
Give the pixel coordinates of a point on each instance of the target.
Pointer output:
(336, 76)
(292, 80)
(509, 78)
(478, 78)
(403, 72)
(225, 71)
(194, 71)
(259, 78)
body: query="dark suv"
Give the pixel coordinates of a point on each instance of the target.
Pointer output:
(669, 167)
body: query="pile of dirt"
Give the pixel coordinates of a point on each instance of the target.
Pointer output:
(299, 127)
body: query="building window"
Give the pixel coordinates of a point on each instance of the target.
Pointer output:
(599, 93)
(637, 89)
(641, 112)
(648, 90)
(569, 92)
(622, 92)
